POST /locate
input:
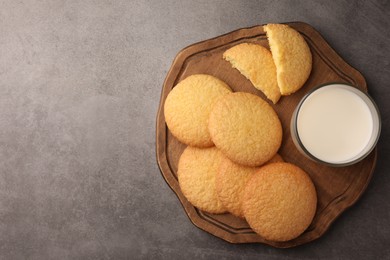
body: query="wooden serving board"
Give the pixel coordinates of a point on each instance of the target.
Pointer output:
(337, 188)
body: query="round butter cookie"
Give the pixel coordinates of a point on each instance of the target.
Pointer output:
(279, 201)
(256, 64)
(231, 180)
(187, 108)
(245, 128)
(196, 173)
(291, 55)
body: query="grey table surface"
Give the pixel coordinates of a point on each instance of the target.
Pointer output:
(80, 84)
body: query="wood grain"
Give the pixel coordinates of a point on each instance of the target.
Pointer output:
(337, 188)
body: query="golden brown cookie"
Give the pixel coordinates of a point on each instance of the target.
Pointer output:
(279, 201)
(256, 64)
(231, 180)
(245, 128)
(291, 55)
(187, 108)
(196, 173)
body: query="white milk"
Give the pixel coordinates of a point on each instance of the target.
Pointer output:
(334, 124)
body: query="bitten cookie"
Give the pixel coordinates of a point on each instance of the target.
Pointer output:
(291, 55)
(231, 180)
(279, 201)
(196, 173)
(245, 128)
(256, 64)
(187, 108)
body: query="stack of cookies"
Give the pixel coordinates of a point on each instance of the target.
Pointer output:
(231, 163)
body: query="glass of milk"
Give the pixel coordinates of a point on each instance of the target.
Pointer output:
(336, 124)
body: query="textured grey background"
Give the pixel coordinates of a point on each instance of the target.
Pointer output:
(80, 84)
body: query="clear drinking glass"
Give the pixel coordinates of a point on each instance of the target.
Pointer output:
(308, 150)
